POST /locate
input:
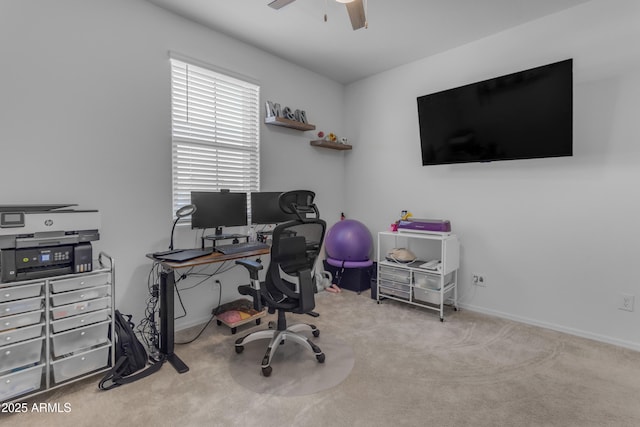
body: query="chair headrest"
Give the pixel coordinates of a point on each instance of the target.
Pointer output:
(298, 202)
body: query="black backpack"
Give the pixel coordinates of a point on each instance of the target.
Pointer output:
(131, 356)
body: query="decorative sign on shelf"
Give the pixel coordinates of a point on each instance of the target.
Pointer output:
(274, 110)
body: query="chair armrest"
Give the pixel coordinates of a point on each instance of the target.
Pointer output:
(307, 301)
(252, 266)
(254, 289)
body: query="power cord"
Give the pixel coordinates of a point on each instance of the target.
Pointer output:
(147, 328)
(215, 310)
(219, 270)
(199, 333)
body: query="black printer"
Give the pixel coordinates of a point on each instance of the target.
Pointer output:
(46, 240)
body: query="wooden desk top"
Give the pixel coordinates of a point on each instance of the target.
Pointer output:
(210, 259)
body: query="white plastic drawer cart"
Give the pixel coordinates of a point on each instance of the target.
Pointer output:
(429, 286)
(55, 330)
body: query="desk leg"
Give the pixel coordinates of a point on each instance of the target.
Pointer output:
(167, 286)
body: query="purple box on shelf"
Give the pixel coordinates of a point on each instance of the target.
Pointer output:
(425, 225)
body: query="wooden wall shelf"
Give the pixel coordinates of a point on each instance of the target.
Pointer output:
(284, 122)
(329, 144)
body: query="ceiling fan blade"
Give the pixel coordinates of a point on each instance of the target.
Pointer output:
(356, 14)
(277, 4)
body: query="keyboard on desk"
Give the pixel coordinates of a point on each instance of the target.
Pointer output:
(237, 248)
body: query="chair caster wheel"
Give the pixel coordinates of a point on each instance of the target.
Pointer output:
(442, 319)
(266, 371)
(272, 325)
(218, 322)
(234, 330)
(258, 321)
(239, 349)
(320, 357)
(316, 333)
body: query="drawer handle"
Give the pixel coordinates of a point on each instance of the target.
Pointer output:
(83, 358)
(7, 310)
(82, 320)
(81, 283)
(82, 296)
(8, 382)
(7, 295)
(7, 324)
(8, 338)
(82, 333)
(8, 352)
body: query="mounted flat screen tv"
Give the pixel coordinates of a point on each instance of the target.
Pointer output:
(524, 115)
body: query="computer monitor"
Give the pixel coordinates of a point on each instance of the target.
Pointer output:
(265, 208)
(217, 209)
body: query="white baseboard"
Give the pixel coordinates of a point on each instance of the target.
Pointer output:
(554, 327)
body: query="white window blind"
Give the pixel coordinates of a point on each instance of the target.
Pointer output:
(215, 132)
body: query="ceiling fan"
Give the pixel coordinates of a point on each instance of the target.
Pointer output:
(355, 8)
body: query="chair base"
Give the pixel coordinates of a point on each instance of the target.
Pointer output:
(278, 337)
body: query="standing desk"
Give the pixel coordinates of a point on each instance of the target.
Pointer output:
(167, 287)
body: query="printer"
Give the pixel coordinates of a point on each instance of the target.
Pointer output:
(39, 241)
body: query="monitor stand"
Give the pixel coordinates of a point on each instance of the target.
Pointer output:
(215, 237)
(219, 235)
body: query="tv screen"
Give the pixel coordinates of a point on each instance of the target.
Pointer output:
(217, 209)
(523, 115)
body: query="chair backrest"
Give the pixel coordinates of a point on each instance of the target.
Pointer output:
(295, 248)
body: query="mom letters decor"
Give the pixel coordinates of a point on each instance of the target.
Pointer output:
(274, 110)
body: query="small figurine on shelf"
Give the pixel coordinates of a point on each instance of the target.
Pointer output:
(331, 137)
(320, 134)
(404, 215)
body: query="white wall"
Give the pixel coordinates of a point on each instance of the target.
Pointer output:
(556, 238)
(85, 118)
(84, 114)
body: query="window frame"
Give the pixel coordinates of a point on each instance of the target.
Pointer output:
(215, 131)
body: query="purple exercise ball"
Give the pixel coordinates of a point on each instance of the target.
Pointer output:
(348, 240)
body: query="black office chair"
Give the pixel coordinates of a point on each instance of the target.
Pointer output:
(289, 284)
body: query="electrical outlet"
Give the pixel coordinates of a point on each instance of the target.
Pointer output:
(626, 302)
(478, 279)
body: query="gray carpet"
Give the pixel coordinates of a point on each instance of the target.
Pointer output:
(409, 370)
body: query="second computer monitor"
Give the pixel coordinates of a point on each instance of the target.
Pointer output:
(217, 209)
(265, 208)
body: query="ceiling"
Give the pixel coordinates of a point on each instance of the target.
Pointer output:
(398, 32)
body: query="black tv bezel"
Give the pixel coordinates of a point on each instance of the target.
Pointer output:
(558, 64)
(219, 212)
(275, 215)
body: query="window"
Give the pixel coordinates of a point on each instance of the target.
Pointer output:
(215, 132)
